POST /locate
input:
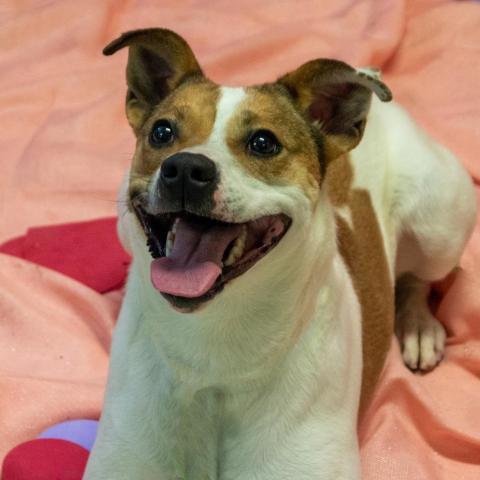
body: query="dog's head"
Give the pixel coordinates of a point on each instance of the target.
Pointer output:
(221, 176)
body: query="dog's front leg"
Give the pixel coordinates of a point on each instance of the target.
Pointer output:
(134, 442)
(184, 446)
(153, 427)
(138, 435)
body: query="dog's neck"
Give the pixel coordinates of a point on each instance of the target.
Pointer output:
(245, 333)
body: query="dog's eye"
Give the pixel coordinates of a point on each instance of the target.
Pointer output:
(162, 134)
(263, 143)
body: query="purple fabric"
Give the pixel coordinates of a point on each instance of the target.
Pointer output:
(81, 432)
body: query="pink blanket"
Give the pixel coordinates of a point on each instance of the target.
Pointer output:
(65, 144)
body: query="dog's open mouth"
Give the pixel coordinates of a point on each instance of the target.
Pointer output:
(194, 257)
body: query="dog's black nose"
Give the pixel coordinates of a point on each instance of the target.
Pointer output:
(187, 181)
(188, 169)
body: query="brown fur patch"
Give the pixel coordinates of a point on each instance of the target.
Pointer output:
(159, 60)
(299, 161)
(336, 98)
(192, 109)
(363, 250)
(339, 180)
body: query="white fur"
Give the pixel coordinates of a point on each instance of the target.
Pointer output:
(426, 205)
(243, 196)
(263, 383)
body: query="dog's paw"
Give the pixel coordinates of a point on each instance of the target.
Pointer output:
(422, 340)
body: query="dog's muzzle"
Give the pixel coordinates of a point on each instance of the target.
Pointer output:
(187, 182)
(195, 252)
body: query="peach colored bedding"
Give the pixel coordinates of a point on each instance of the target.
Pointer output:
(64, 145)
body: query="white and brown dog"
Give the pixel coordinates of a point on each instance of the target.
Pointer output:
(270, 247)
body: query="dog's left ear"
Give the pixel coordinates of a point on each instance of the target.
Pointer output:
(335, 98)
(158, 61)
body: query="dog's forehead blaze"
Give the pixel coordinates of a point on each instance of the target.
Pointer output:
(192, 107)
(269, 107)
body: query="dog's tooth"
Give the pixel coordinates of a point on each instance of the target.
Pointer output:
(229, 261)
(171, 237)
(238, 247)
(169, 243)
(174, 226)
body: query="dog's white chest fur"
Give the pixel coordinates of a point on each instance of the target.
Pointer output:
(271, 421)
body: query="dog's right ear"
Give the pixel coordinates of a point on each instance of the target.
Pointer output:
(158, 61)
(335, 98)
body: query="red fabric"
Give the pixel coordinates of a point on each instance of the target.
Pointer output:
(88, 252)
(44, 459)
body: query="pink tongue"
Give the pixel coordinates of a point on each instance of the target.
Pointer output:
(194, 263)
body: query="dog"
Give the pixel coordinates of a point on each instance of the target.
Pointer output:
(280, 235)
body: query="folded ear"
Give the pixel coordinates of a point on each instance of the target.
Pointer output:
(335, 98)
(158, 61)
